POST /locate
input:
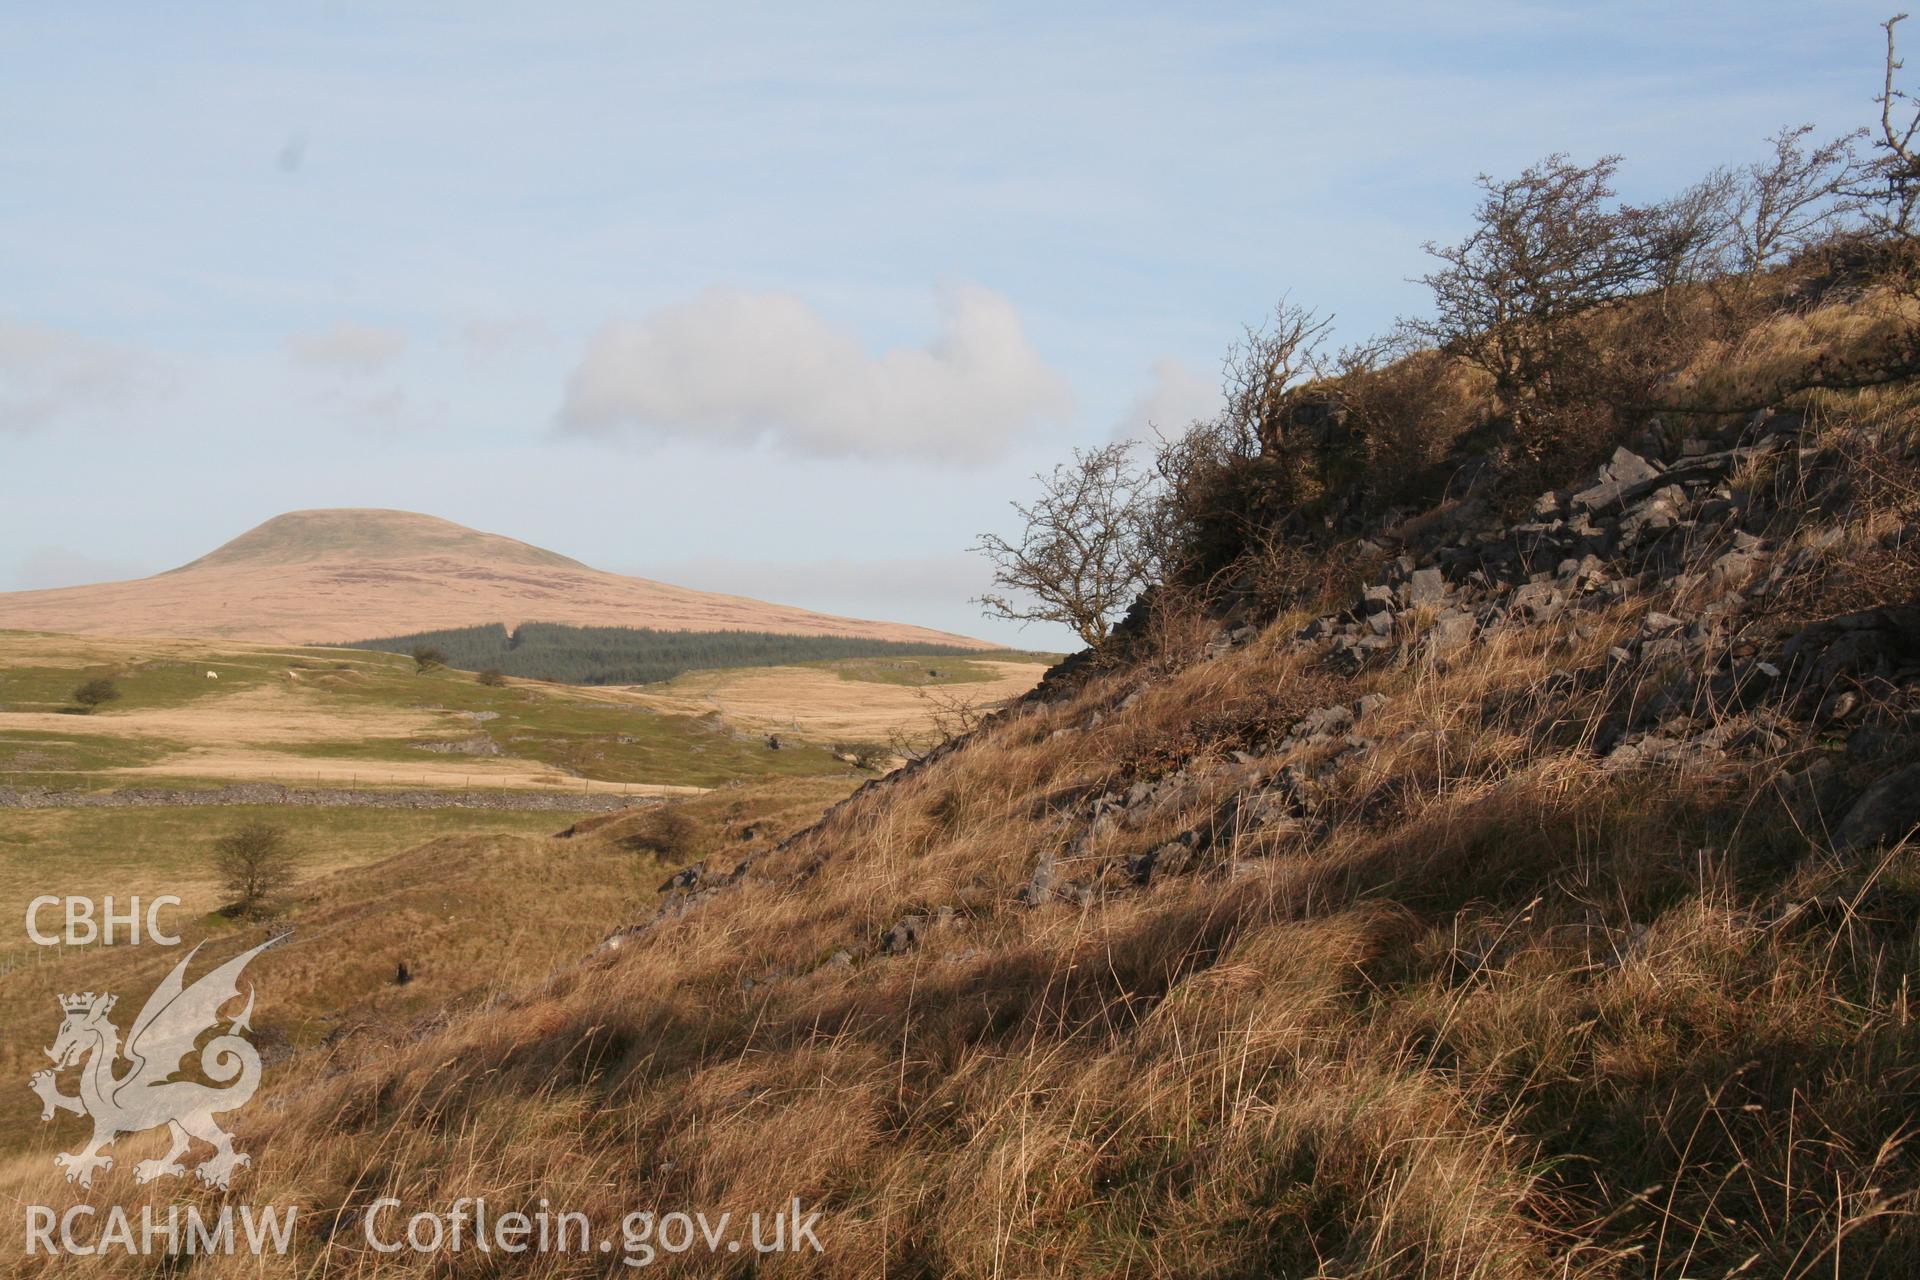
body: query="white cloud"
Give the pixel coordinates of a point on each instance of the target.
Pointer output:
(744, 367)
(47, 376)
(347, 348)
(1177, 398)
(59, 567)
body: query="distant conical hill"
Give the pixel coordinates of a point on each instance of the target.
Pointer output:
(356, 573)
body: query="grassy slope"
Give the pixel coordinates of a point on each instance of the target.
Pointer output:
(471, 903)
(1455, 1037)
(1491, 1012)
(150, 851)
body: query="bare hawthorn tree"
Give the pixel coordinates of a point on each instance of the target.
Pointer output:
(1791, 200)
(1547, 247)
(1690, 236)
(1270, 360)
(1086, 548)
(948, 716)
(1889, 184)
(96, 692)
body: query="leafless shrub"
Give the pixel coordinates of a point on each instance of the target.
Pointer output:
(1888, 185)
(1263, 368)
(1548, 248)
(1791, 201)
(1691, 233)
(869, 756)
(668, 833)
(1087, 548)
(948, 716)
(96, 693)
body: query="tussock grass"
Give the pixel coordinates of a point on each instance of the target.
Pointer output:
(1494, 1013)
(1479, 1006)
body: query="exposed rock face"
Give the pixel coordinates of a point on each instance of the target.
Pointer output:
(1692, 560)
(1714, 682)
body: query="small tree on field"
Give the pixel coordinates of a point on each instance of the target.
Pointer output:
(254, 863)
(95, 693)
(492, 677)
(427, 658)
(870, 756)
(1086, 549)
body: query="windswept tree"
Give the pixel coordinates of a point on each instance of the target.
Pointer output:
(1888, 184)
(1792, 199)
(1690, 236)
(1262, 370)
(1086, 548)
(1547, 248)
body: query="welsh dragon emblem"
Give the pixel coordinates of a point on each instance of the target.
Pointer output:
(145, 1095)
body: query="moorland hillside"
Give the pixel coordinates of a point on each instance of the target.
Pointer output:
(1484, 851)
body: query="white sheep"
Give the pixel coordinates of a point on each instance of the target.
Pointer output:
(213, 675)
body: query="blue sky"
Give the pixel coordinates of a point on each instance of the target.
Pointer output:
(785, 300)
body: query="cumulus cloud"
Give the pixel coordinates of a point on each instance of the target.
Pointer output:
(1178, 397)
(744, 367)
(47, 376)
(347, 348)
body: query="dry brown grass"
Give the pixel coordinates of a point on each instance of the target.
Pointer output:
(1495, 1013)
(1483, 1009)
(819, 703)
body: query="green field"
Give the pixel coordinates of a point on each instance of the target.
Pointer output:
(637, 655)
(442, 715)
(144, 682)
(608, 741)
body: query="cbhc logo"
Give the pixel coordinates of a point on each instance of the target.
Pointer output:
(85, 924)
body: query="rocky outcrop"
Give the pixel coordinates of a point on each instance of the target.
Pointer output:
(1711, 680)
